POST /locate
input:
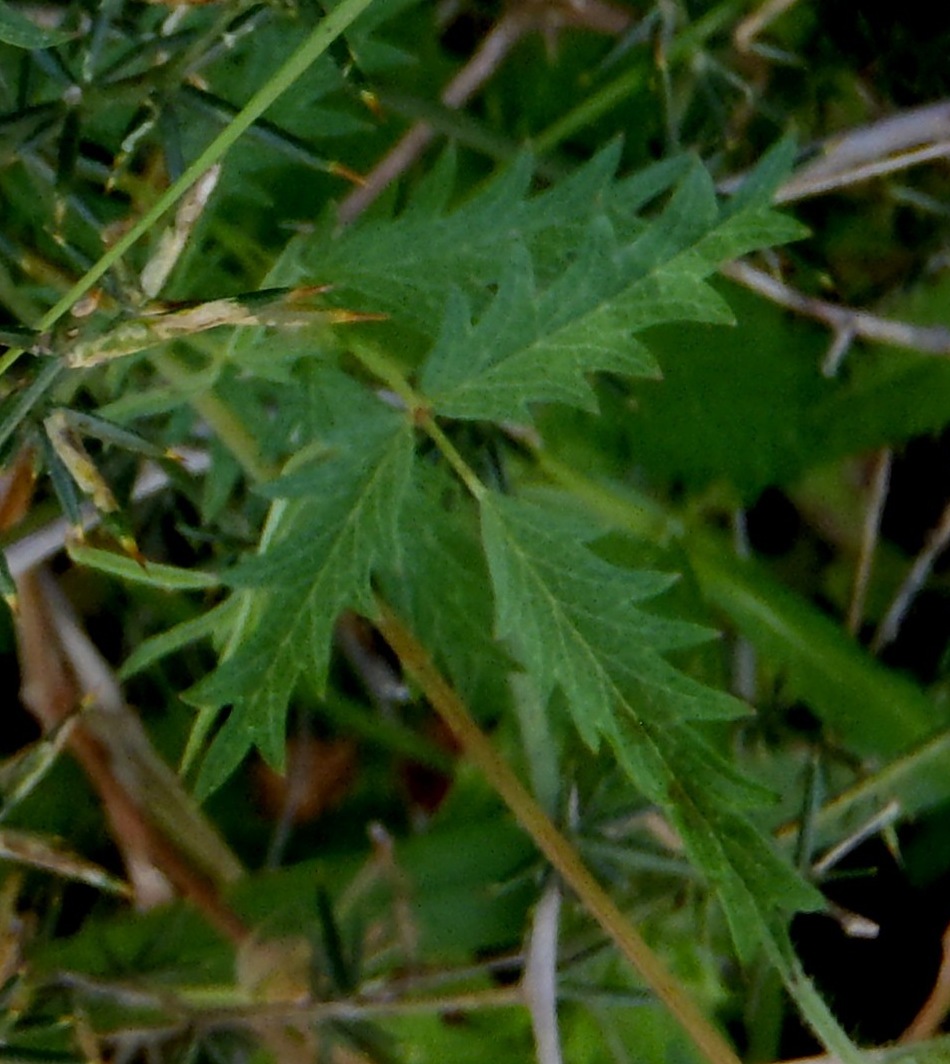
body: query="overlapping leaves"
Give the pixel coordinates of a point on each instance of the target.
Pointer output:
(559, 284)
(407, 267)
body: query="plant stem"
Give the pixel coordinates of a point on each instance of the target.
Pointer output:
(385, 370)
(464, 471)
(550, 841)
(389, 373)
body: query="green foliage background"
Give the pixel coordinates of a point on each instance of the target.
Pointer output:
(535, 441)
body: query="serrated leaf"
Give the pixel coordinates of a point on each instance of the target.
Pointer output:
(761, 184)
(631, 194)
(407, 267)
(570, 619)
(520, 351)
(318, 553)
(156, 647)
(690, 215)
(533, 346)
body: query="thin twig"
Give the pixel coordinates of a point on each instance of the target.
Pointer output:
(295, 1015)
(540, 975)
(490, 55)
(934, 1010)
(867, 144)
(926, 339)
(279, 1018)
(804, 185)
(936, 543)
(884, 1055)
(885, 146)
(62, 671)
(318, 41)
(750, 27)
(63, 677)
(870, 529)
(888, 815)
(840, 345)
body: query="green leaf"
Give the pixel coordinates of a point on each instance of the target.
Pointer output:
(520, 352)
(407, 267)
(156, 647)
(763, 182)
(570, 613)
(743, 401)
(874, 710)
(167, 577)
(316, 558)
(22, 33)
(20, 405)
(570, 619)
(537, 346)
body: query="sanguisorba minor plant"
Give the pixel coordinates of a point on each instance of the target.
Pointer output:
(364, 428)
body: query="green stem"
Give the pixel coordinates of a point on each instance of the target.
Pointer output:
(389, 373)
(228, 427)
(550, 841)
(636, 512)
(313, 47)
(385, 370)
(462, 469)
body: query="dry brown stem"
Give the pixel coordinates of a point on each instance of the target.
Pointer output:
(934, 1010)
(100, 743)
(63, 678)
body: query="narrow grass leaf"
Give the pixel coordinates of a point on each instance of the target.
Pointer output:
(152, 574)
